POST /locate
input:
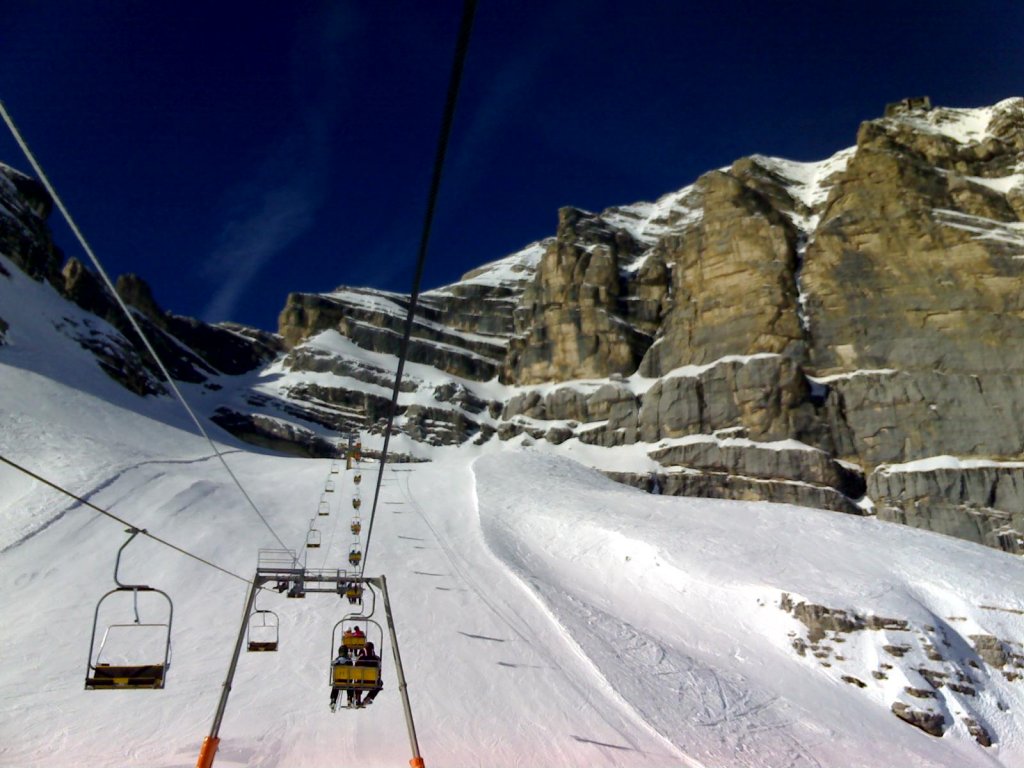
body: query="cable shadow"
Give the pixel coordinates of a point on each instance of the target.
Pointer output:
(481, 637)
(510, 665)
(602, 744)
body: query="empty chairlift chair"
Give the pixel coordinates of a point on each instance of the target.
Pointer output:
(324, 509)
(133, 653)
(262, 632)
(329, 488)
(313, 539)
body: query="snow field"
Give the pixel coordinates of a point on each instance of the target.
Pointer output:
(676, 602)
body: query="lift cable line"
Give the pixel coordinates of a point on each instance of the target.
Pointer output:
(461, 48)
(124, 522)
(131, 318)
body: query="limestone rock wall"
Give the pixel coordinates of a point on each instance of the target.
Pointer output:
(571, 321)
(869, 307)
(733, 280)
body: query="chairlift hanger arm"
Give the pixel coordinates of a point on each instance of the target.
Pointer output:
(117, 562)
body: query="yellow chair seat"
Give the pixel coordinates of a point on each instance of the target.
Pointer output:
(359, 677)
(126, 677)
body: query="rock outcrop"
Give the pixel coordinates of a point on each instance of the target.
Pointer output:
(24, 235)
(571, 322)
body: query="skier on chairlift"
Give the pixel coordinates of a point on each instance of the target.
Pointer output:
(342, 659)
(369, 659)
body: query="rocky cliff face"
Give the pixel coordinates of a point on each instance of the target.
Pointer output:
(868, 307)
(193, 351)
(846, 334)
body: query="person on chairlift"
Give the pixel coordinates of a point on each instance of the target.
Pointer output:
(341, 659)
(369, 659)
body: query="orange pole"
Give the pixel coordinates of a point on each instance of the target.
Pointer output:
(208, 750)
(416, 762)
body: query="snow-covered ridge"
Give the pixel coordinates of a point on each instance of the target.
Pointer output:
(964, 126)
(511, 271)
(738, 442)
(647, 222)
(808, 183)
(933, 463)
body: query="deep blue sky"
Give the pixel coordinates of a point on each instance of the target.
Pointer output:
(230, 153)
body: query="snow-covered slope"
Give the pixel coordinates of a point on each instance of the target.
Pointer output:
(547, 616)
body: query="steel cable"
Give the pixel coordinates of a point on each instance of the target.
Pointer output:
(124, 522)
(131, 318)
(461, 48)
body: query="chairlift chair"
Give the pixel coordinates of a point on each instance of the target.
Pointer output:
(355, 556)
(363, 674)
(313, 539)
(354, 593)
(334, 468)
(356, 525)
(356, 502)
(329, 488)
(357, 478)
(324, 509)
(131, 655)
(263, 631)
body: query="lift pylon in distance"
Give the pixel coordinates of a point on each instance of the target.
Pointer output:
(133, 654)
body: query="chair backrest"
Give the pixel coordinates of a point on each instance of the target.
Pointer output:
(346, 675)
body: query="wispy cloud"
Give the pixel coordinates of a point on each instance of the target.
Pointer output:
(276, 216)
(279, 203)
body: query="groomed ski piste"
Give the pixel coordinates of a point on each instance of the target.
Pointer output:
(547, 616)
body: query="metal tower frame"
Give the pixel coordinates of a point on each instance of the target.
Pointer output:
(278, 567)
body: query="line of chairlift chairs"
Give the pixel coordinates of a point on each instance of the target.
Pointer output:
(314, 537)
(136, 654)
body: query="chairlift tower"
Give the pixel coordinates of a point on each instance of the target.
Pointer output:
(279, 569)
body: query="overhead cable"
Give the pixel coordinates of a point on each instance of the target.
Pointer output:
(131, 318)
(124, 522)
(461, 48)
